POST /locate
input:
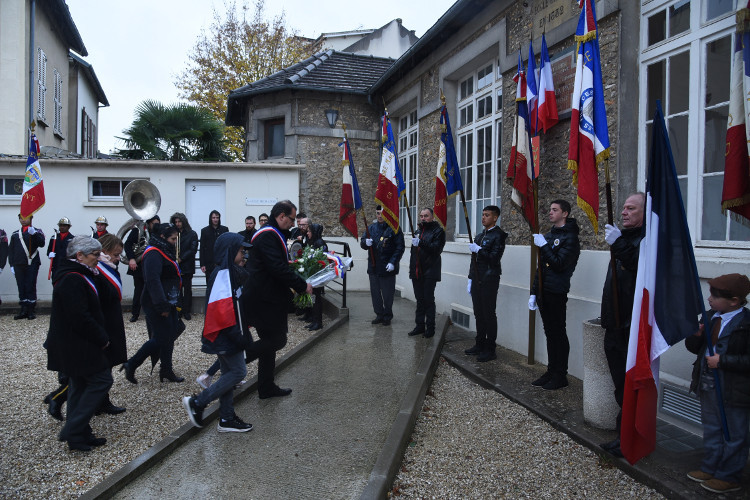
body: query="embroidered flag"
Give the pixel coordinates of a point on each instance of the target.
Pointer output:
(33, 184)
(448, 175)
(390, 182)
(351, 202)
(667, 299)
(520, 172)
(589, 135)
(736, 193)
(220, 307)
(532, 91)
(546, 103)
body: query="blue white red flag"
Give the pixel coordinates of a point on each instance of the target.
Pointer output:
(448, 175)
(668, 298)
(220, 308)
(589, 134)
(520, 172)
(735, 196)
(351, 201)
(33, 185)
(390, 182)
(547, 104)
(532, 91)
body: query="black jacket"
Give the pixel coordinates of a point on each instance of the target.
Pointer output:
(161, 276)
(247, 234)
(110, 299)
(3, 249)
(17, 257)
(425, 260)
(733, 348)
(625, 250)
(486, 264)
(77, 336)
(209, 234)
(387, 247)
(317, 240)
(131, 242)
(188, 249)
(267, 297)
(559, 258)
(59, 245)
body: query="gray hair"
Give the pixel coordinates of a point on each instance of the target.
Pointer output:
(84, 244)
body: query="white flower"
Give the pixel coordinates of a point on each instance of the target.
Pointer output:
(301, 269)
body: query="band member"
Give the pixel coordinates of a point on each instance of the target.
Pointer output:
(386, 248)
(135, 244)
(425, 269)
(58, 244)
(208, 239)
(24, 264)
(249, 231)
(559, 251)
(101, 227)
(484, 281)
(187, 247)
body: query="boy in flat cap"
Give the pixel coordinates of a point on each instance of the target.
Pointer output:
(729, 327)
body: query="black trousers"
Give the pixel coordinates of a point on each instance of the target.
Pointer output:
(186, 294)
(163, 334)
(382, 291)
(484, 300)
(26, 282)
(424, 292)
(138, 285)
(86, 395)
(264, 350)
(616, 350)
(553, 309)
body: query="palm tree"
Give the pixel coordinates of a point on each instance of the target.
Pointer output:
(176, 132)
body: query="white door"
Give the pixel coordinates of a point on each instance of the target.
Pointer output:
(201, 197)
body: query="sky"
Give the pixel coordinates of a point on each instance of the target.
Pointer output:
(138, 47)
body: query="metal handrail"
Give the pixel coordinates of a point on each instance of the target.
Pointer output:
(346, 253)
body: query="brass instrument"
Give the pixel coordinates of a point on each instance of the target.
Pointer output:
(177, 250)
(142, 201)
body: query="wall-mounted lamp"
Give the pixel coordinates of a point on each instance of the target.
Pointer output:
(332, 115)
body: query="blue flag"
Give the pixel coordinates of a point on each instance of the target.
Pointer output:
(452, 172)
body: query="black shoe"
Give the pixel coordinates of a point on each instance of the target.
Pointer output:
(134, 318)
(95, 441)
(76, 445)
(31, 314)
(195, 412)
(429, 333)
(556, 383)
(110, 409)
(234, 424)
(24, 313)
(377, 320)
(129, 372)
(170, 377)
(418, 330)
(55, 409)
(542, 380)
(386, 322)
(486, 356)
(187, 316)
(276, 392)
(314, 326)
(473, 350)
(611, 445)
(616, 452)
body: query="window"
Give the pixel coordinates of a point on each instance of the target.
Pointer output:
(479, 141)
(691, 77)
(107, 189)
(57, 124)
(11, 187)
(41, 94)
(273, 138)
(408, 141)
(88, 136)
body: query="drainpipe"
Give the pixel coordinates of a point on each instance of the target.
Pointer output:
(32, 22)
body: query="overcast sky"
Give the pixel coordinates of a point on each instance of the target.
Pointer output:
(137, 47)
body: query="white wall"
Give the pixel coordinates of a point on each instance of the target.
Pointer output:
(14, 75)
(86, 99)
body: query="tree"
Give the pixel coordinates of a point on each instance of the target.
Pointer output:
(234, 52)
(176, 132)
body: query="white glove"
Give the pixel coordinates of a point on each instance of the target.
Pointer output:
(368, 242)
(540, 240)
(13, 271)
(52, 255)
(468, 288)
(31, 230)
(474, 247)
(611, 233)
(415, 242)
(532, 303)
(389, 267)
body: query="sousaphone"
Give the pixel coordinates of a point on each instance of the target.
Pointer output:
(142, 201)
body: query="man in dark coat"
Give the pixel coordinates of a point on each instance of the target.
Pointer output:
(187, 247)
(58, 244)
(77, 341)
(384, 250)
(249, 231)
(208, 239)
(559, 251)
(3, 251)
(267, 297)
(625, 245)
(425, 270)
(24, 264)
(134, 245)
(484, 282)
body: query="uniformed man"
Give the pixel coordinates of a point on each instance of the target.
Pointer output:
(425, 269)
(101, 227)
(24, 264)
(58, 244)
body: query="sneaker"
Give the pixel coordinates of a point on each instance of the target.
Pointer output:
(240, 384)
(204, 380)
(195, 412)
(542, 380)
(699, 476)
(720, 486)
(555, 383)
(235, 424)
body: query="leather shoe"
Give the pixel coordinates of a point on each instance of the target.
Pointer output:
(314, 326)
(95, 441)
(134, 318)
(170, 377)
(55, 409)
(187, 316)
(377, 321)
(276, 392)
(542, 380)
(429, 334)
(556, 383)
(76, 445)
(615, 443)
(473, 350)
(386, 322)
(486, 356)
(129, 372)
(418, 330)
(110, 409)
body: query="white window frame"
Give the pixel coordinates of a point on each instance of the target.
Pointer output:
(57, 126)
(694, 41)
(41, 86)
(408, 161)
(122, 180)
(469, 132)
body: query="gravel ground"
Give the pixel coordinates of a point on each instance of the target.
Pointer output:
(34, 464)
(470, 442)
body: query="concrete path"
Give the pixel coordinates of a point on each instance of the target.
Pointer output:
(324, 440)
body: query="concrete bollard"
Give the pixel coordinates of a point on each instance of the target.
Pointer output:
(599, 406)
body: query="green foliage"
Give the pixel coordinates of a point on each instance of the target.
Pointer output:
(176, 132)
(234, 52)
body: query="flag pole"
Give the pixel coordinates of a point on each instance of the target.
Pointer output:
(408, 214)
(54, 244)
(367, 227)
(612, 261)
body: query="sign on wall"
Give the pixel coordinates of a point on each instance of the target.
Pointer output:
(564, 76)
(549, 14)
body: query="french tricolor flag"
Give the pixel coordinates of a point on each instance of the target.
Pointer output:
(220, 308)
(546, 103)
(532, 91)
